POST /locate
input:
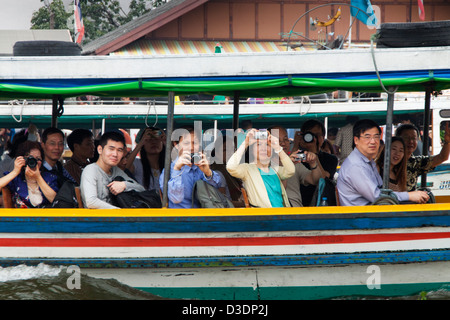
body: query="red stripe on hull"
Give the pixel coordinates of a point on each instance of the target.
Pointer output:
(201, 242)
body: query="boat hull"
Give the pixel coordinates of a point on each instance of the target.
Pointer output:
(286, 253)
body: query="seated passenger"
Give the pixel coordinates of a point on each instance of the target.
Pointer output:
(53, 146)
(189, 166)
(417, 165)
(311, 138)
(359, 182)
(97, 179)
(261, 178)
(147, 169)
(303, 176)
(81, 143)
(230, 186)
(281, 133)
(397, 171)
(29, 187)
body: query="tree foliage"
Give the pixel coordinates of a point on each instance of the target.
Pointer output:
(99, 16)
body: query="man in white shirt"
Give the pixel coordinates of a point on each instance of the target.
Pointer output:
(97, 178)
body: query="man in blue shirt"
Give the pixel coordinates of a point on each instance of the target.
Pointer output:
(186, 169)
(359, 182)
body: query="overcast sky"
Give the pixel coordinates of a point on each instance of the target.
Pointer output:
(16, 14)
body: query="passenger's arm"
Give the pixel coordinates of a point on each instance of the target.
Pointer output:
(445, 151)
(89, 194)
(18, 164)
(46, 190)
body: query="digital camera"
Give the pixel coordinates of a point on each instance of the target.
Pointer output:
(261, 135)
(31, 162)
(196, 157)
(300, 157)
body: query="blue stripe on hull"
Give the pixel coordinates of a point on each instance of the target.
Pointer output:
(379, 220)
(244, 261)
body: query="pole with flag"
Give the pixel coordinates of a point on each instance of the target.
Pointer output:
(421, 10)
(365, 14)
(78, 25)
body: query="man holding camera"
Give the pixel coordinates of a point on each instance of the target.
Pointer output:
(311, 138)
(189, 166)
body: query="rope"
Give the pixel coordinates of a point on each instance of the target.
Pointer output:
(376, 70)
(12, 103)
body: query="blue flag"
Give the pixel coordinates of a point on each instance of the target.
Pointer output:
(366, 14)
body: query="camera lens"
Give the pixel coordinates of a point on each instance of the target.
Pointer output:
(31, 162)
(308, 137)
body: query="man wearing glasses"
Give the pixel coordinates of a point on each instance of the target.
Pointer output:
(359, 182)
(417, 165)
(53, 146)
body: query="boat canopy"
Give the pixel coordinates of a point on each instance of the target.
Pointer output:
(251, 75)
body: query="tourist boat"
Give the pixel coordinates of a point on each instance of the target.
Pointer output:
(240, 253)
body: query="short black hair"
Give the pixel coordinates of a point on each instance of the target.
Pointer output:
(49, 131)
(309, 124)
(363, 125)
(406, 126)
(111, 135)
(77, 136)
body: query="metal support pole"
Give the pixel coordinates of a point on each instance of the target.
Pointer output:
(236, 116)
(167, 160)
(426, 125)
(387, 143)
(54, 123)
(236, 110)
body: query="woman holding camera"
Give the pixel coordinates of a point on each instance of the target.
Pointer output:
(151, 148)
(262, 176)
(30, 187)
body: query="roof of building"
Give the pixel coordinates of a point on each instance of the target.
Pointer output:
(139, 27)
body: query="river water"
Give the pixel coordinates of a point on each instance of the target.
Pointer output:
(44, 282)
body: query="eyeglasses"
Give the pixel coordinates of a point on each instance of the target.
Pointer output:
(368, 137)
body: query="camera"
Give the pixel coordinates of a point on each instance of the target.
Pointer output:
(196, 157)
(261, 135)
(31, 162)
(308, 137)
(300, 157)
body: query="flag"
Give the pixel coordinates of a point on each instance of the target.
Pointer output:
(366, 14)
(79, 26)
(421, 10)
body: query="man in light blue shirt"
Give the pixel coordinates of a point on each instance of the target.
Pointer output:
(185, 170)
(359, 182)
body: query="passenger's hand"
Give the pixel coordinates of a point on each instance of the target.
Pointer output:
(18, 164)
(32, 174)
(117, 187)
(418, 196)
(273, 142)
(311, 159)
(294, 156)
(204, 166)
(250, 137)
(184, 159)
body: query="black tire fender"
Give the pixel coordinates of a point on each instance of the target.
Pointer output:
(46, 48)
